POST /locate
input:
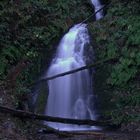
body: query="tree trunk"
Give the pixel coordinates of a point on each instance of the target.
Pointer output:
(29, 115)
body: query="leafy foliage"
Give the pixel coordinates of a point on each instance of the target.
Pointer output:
(28, 29)
(118, 35)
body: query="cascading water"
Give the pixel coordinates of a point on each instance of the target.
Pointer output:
(71, 96)
(97, 6)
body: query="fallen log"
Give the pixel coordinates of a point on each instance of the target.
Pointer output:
(74, 133)
(87, 133)
(75, 70)
(33, 116)
(50, 130)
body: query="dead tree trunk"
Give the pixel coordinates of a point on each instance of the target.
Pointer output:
(29, 115)
(76, 70)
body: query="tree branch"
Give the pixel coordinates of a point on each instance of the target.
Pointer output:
(103, 7)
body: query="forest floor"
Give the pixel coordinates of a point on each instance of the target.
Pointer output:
(12, 128)
(89, 137)
(16, 129)
(116, 135)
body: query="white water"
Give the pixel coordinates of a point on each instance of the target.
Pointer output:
(97, 6)
(71, 96)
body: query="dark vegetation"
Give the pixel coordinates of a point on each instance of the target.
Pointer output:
(30, 31)
(118, 35)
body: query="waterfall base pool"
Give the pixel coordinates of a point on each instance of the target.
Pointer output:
(71, 127)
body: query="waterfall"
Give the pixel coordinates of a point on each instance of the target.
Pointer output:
(97, 6)
(71, 96)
